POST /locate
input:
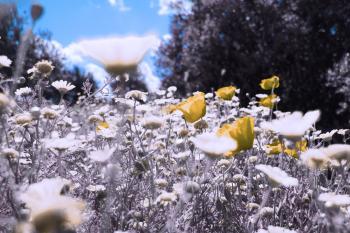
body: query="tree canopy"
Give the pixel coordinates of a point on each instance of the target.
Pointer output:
(223, 42)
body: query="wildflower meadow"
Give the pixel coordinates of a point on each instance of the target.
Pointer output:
(159, 161)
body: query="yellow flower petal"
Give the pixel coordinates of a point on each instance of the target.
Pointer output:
(268, 101)
(274, 148)
(300, 146)
(242, 131)
(226, 93)
(102, 125)
(270, 83)
(193, 108)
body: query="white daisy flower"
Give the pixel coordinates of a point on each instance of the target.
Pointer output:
(23, 92)
(294, 126)
(212, 145)
(338, 152)
(277, 176)
(166, 198)
(314, 158)
(334, 200)
(63, 86)
(49, 209)
(136, 95)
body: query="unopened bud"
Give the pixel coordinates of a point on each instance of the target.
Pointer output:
(36, 11)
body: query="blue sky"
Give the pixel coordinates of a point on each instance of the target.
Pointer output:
(69, 21)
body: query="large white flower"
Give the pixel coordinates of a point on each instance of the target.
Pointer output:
(50, 209)
(293, 126)
(5, 61)
(119, 54)
(338, 152)
(61, 144)
(63, 86)
(334, 200)
(213, 145)
(314, 158)
(277, 176)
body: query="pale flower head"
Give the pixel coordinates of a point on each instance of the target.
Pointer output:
(343, 131)
(4, 101)
(334, 200)
(95, 118)
(338, 152)
(23, 92)
(43, 67)
(61, 144)
(119, 54)
(213, 145)
(9, 153)
(166, 198)
(63, 86)
(23, 119)
(49, 209)
(101, 155)
(293, 126)
(277, 176)
(161, 183)
(314, 158)
(152, 122)
(49, 113)
(136, 95)
(327, 136)
(5, 61)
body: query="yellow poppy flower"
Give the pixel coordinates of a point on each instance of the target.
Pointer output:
(242, 131)
(300, 146)
(268, 101)
(275, 148)
(102, 125)
(193, 108)
(226, 93)
(270, 83)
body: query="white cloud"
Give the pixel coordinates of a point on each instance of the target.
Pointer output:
(120, 4)
(167, 37)
(152, 81)
(99, 74)
(165, 6)
(72, 53)
(73, 56)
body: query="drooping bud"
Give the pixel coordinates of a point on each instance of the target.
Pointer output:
(36, 11)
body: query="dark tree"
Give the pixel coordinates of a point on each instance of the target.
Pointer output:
(224, 42)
